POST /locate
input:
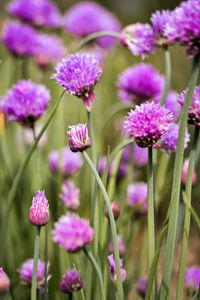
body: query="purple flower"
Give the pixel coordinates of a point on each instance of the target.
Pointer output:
(185, 171)
(26, 272)
(71, 282)
(88, 17)
(70, 195)
(102, 166)
(184, 26)
(159, 20)
(79, 140)
(140, 156)
(4, 282)
(192, 277)
(78, 74)
(141, 286)
(49, 50)
(71, 162)
(37, 12)
(140, 83)
(137, 196)
(72, 233)
(25, 136)
(194, 110)
(53, 160)
(121, 246)
(172, 104)
(169, 140)
(26, 102)
(147, 123)
(39, 211)
(20, 39)
(139, 39)
(112, 269)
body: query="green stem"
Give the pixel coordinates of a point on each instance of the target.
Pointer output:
(175, 194)
(112, 224)
(46, 264)
(193, 212)
(35, 265)
(167, 75)
(98, 271)
(13, 190)
(186, 229)
(96, 35)
(92, 136)
(70, 296)
(150, 214)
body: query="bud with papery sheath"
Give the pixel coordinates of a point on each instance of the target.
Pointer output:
(39, 211)
(78, 138)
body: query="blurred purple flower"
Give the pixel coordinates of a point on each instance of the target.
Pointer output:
(79, 140)
(4, 282)
(20, 39)
(78, 74)
(88, 17)
(115, 209)
(141, 286)
(72, 233)
(137, 196)
(184, 26)
(192, 277)
(112, 269)
(102, 166)
(140, 83)
(26, 102)
(26, 272)
(71, 282)
(37, 12)
(70, 195)
(138, 38)
(26, 136)
(147, 123)
(159, 20)
(53, 160)
(49, 50)
(194, 110)
(121, 246)
(39, 211)
(71, 162)
(140, 156)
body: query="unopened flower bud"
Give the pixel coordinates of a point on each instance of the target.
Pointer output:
(116, 210)
(4, 282)
(71, 282)
(78, 138)
(39, 211)
(184, 173)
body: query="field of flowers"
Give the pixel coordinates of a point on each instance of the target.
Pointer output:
(99, 152)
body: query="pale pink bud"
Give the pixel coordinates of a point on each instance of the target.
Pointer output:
(184, 173)
(39, 211)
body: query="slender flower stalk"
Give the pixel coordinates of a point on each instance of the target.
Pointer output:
(167, 75)
(98, 272)
(13, 190)
(46, 264)
(187, 217)
(90, 121)
(35, 265)
(150, 214)
(112, 224)
(170, 246)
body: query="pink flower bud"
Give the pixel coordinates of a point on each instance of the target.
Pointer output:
(39, 211)
(4, 282)
(184, 173)
(78, 138)
(115, 208)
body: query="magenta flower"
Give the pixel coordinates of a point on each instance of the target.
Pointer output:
(141, 286)
(159, 20)
(147, 123)
(139, 39)
(71, 162)
(169, 140)
(112, 269)
(121, 246)
(49, 50)
(79, 140)
(140, 83)
(26, 272)
(72, 233)
(20, 39)
(39, 211)
(185, 171)
(26, 102)
(78, 74)
(140, 156)
(39, 13)
(71, 282)
(70, 195)
(184, 26)
(192, 277)
(194, 110)
(137, 196)
(53, 160)
(172, 104)
(88, 17)
(4, 282)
